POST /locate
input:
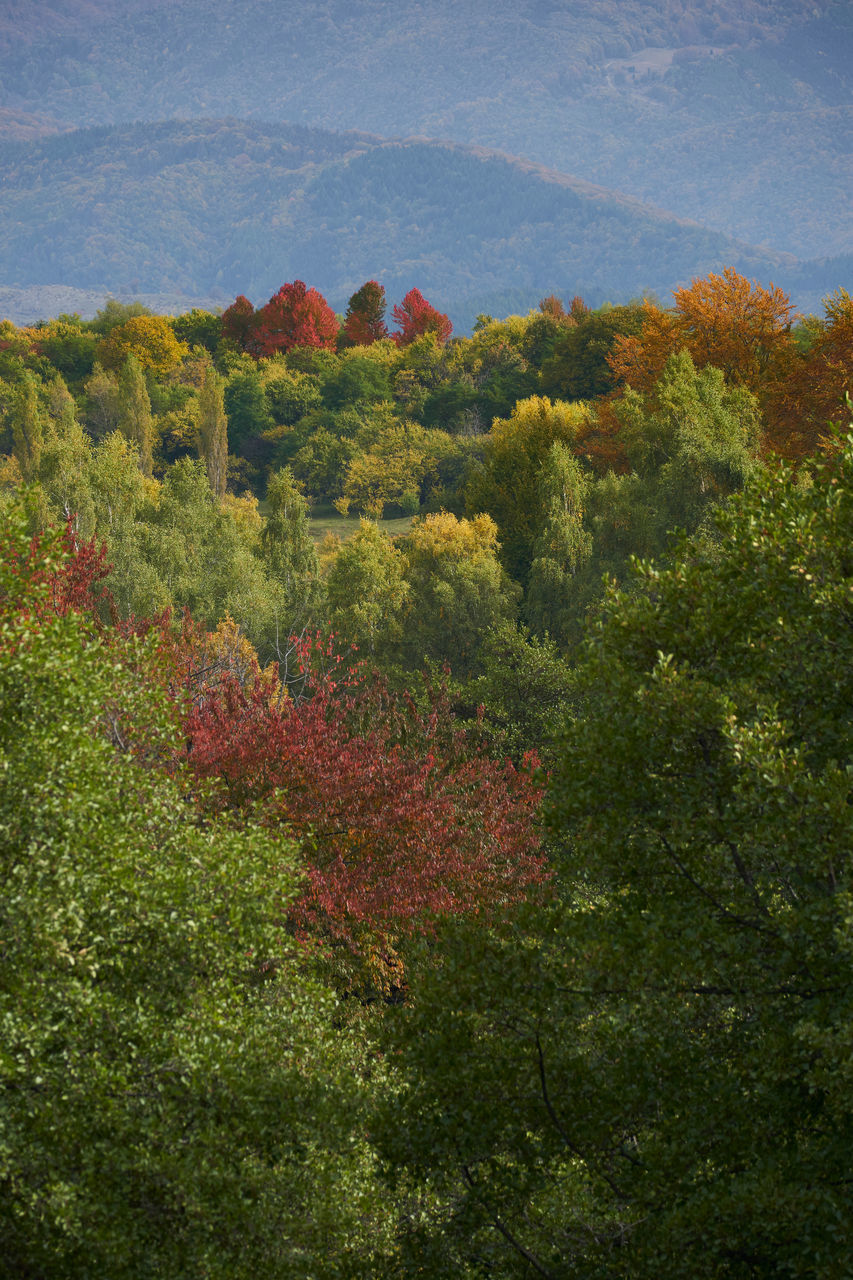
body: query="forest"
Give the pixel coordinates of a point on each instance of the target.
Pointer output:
(424, 776)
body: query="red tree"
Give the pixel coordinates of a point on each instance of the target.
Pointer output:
(294, 317)
(416, 316)
(401, 819)
(238, 322)
(364, 322)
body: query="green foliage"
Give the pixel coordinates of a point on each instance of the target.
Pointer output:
(650, 1076)
(134, 412)
(524, 689)
(288, 550)
(358, 380)
(458, 589)
(213, 430)
(247, 409)
(69, 347)
(197, 328)
(367, 591)
(290, 394)
(174, 1099)
(577, 369)
(693, 442)
(563, 547)
(506, 484)
(27, 427)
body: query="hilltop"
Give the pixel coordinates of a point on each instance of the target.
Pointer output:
(206, 209)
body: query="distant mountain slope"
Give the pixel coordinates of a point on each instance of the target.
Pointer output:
(701, 106)
(214, 208)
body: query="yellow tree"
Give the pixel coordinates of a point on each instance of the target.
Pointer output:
(458, 588)
(149, 339)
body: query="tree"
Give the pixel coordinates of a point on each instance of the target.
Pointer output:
(367, 590)
(134, 410)
(578, 368)
(296, 316)
(288, 550)
(692, 441)
(27, 427)
(416, 317)
(101, 405)
(564, 544)
(736, 325)
(651, 1076)
(149, 339)
(213, 430)
(506, 483)
(247, 410)
(197, 328)
(364, 322)
(402, 820)
(238, 321)
(175, 1098)
(458, 589)
(724, 320)
(811, 396)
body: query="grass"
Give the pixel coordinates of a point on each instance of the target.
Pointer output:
(325, 519)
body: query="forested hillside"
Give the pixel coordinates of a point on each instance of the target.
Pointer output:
(698, 107)
(212, 208)
(464, 892)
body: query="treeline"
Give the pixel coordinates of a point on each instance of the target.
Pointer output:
(424, 906)
(546, 450)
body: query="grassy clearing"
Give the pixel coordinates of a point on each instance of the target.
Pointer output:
(325, 519)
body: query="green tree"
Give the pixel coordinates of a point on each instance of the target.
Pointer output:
(692, 441)
(367, 590)
(458, 589)
(563, 547)
(27, 427)
(288, 550)
(174, 1097)
(134, 412)
(102, 402)
(650, 1076)
(506, 484)
(213, 430)
(247, 409)
(577, 368)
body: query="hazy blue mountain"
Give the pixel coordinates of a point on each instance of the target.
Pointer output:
(220, 207)
(735, 113)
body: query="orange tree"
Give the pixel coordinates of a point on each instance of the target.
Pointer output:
(725, 320)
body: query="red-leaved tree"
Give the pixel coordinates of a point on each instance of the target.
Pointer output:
(415, 317)
(400, 817)
(238, 322)
(296, 316)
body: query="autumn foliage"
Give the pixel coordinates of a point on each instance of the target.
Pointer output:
(400, 818)
(415, 317)
(295, 316)
(364, 322)
(724, 320)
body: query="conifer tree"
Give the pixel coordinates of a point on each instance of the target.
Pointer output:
(135, 412)
(213, 430)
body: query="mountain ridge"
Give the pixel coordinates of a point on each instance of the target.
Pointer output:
(216, 207)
